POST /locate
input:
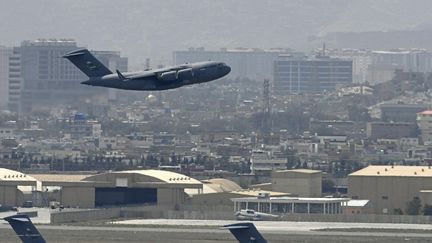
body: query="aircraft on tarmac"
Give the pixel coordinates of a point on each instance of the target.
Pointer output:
(27, 232)
(157, 79)
(249, 214)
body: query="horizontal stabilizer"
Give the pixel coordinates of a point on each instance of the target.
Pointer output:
(120, 76)
(25, 229)
(245, 233)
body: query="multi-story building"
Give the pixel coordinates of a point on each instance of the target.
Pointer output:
(254, 64)
(14, 80)
(310, 75)
(391, 130)
(49, 79)
(401, 112)
(81, 127)
(424, 122)
(361, 59)
(385, 63)
(5, 53)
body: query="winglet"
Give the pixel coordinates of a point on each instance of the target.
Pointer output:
(25, 229)
(245, 233)
(120, 76)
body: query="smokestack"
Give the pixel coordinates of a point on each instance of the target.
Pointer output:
(324, 49)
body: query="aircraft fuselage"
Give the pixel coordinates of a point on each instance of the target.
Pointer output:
(164, 78)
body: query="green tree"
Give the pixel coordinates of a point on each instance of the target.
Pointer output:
(413, 206)
(327, 185)
(427, 209)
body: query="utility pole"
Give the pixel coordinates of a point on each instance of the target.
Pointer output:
(266, 121)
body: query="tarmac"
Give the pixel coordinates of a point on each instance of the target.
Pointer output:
(209, 231)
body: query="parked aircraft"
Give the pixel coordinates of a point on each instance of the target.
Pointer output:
(249, 214)
(157, 79)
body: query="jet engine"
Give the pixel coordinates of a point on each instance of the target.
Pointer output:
(185, 74)
(169, 76)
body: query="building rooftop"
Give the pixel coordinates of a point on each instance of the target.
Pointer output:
(397, 170)
(357, 203)
(255, 193)
(59, 177)
(291, 199)
(12, 175)
(306, 171)
(427, 112)
(222, 185)
(165, 176)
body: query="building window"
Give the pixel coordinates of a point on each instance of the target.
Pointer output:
(384, 197)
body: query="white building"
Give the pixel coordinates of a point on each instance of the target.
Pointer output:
(291, 205)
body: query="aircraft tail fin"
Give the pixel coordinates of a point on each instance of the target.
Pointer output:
(87, 63)
(25, 229)
(246, 233)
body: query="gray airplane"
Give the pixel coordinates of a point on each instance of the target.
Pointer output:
(157, 79)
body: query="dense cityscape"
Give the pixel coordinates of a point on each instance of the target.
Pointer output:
(325, 134)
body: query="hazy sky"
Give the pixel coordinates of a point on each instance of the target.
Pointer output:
(141, 28)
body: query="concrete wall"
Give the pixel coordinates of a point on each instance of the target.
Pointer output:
(209, 215)
(83, 197)
(297, 183)
(86, 215)
(213, 199)
(359, 218)
(387, 193)
(10, 196)
(172, 197)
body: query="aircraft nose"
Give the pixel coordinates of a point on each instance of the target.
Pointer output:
(227, 69)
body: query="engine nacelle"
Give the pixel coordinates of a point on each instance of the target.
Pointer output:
(185, 74)
(169, 76)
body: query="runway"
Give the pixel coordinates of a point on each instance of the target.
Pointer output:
(164, 230)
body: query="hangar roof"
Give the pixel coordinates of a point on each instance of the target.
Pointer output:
(59, 177)
(166, 176)
(396, 170)
(222, 185)
(12, 175)
(154, 175)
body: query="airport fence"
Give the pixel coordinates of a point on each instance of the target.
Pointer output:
(358, 218)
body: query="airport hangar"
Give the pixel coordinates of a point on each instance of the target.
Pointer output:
(163, 188)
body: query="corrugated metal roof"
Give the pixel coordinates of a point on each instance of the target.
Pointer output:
(397, 170)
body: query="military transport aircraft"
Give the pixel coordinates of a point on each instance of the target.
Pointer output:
(157, 79)
(27, 232)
